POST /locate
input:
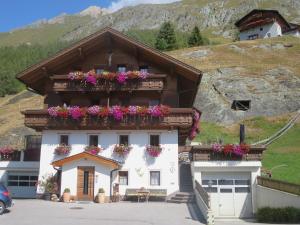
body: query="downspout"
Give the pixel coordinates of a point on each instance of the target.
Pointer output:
(111, 177)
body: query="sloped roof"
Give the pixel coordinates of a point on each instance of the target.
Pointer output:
(35, 73)
(254, 11)
(86, 155)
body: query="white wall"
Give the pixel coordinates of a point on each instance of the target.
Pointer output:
(267, 197)
(137, 163)
(274, 29)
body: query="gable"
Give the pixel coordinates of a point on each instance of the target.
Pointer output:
(105, 42)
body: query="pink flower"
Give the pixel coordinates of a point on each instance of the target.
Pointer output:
(91, 79)
(75, 112)
(143, 75)
(122, 77)
(72, 76)
(132, 110)
(6, 150)
(237, 150)
(155, 111)
(216, 147)
(93, 110)
(117, 113)
(52, 111)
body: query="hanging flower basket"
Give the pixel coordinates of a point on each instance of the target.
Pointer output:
(154, 151)
(122, 150)
(62, 149)
(93, 149)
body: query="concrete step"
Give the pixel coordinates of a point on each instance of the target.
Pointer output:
(181, 201)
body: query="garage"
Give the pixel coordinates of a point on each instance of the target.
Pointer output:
(230, 193)
(22, 184)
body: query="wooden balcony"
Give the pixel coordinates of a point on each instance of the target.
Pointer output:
(154, 82)
(179, 118)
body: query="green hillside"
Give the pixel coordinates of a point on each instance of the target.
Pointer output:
(282, 157)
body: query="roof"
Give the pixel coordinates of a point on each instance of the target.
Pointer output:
(34, 74)
(254, 11)
(86, 155)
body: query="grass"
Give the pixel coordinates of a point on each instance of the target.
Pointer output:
(282, 157)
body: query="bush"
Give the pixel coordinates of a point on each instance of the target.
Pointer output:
(67, 190)
(101, 190)
(278, 215)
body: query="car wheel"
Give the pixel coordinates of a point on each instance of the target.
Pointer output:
(2, 208)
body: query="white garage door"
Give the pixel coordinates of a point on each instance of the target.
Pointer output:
(22, 184)
(230, 193)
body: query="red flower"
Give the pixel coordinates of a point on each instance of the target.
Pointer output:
(228, 149)
(125, 110)
(245, 148)
(104, 112)
(63, 113)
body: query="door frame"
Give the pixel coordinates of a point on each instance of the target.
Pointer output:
(91, 183)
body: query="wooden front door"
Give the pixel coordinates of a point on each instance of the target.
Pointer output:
(85, 183)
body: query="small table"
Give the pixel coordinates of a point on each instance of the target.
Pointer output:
(143, 194)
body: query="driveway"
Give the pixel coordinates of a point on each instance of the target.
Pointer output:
(39, 212)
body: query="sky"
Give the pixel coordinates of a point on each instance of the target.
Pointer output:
(18, 13)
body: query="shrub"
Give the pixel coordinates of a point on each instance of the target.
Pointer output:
(101, 190)
(278, 215)
(67, 190)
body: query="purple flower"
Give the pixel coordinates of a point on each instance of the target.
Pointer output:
(237, 150)
(75, 112)
(132, 110)
(216, 147)
(143, 75)
(122, 77)
(155, 111)
(93, 110)
(117, 113)
(72, 76)
(52, 111)
(91, 79)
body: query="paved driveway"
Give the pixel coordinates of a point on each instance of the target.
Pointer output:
(39, 212)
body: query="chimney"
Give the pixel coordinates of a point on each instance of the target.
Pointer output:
(242, 133)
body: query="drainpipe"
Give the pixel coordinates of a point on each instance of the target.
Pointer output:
(111, 176)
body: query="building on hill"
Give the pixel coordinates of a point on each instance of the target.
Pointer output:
(117, 115)
(261, 23)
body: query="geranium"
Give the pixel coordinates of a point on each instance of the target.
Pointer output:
(122, 77)
(6, 150)
(92, 149)
(63, 112)
(143, 75)
(195, 127)
(154, 151)
(216, 147)
(104, 112)
(155, 111)
(245, 148)
(132, 110)
(122, 150)
(133, 74)
(237, 150)
(142, 110)
(76, 112)
(77, 75)
(63, 149)
(117, 112)
(90, 78)
(227, 149)
(53, 111)
(93, 110)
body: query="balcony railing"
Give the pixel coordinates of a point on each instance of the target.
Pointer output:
(154, 82)
(177, 118)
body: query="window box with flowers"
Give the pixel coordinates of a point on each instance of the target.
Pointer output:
(8, 153)
(63, 149)
(122, 150)
(154, 151)
(232, 150)
(95, 150)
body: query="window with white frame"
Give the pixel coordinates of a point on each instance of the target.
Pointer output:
(123, 177)
(22, 180)
(154, 178)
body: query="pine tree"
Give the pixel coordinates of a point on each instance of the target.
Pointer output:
(195, 38)
(166, 38)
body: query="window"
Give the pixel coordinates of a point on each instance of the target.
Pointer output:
(261, 29)
(242, 182)
(64, 139)
(242, 190)
(93, 140)
(206, 182)
(154, 178)
(123, 177)
(86, 182)
(225, 182)
(242, 105)
(154, 140)
(121, 68)
(144, 69)
(22, 180)
(211, 189)
(226, 190)
(124, 140)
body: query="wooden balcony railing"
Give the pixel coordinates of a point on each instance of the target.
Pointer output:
(154, 82)
(178, 118)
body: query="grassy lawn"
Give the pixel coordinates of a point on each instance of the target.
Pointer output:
(282, 157)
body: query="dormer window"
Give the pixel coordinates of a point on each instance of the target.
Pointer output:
(121, 68)
(144, 69)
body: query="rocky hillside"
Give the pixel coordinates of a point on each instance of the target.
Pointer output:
(214, 17)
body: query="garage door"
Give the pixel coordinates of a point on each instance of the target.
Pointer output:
(230, 193)
(22, 185)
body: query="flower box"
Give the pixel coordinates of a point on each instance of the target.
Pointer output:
(93, 149)
(154, 151)
(63, 149)
(122, 150)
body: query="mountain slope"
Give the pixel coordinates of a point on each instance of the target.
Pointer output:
(214, 17)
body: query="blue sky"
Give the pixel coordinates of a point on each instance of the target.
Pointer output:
(18, 13)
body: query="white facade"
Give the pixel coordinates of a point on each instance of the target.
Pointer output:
(233, 183)
(264, 31)
(138, 163)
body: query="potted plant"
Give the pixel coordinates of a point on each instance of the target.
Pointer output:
(154, 151)
(122, 150)
(49, 185)
(92, 149)
(101, 196)
(62, 149)
(67, 195)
